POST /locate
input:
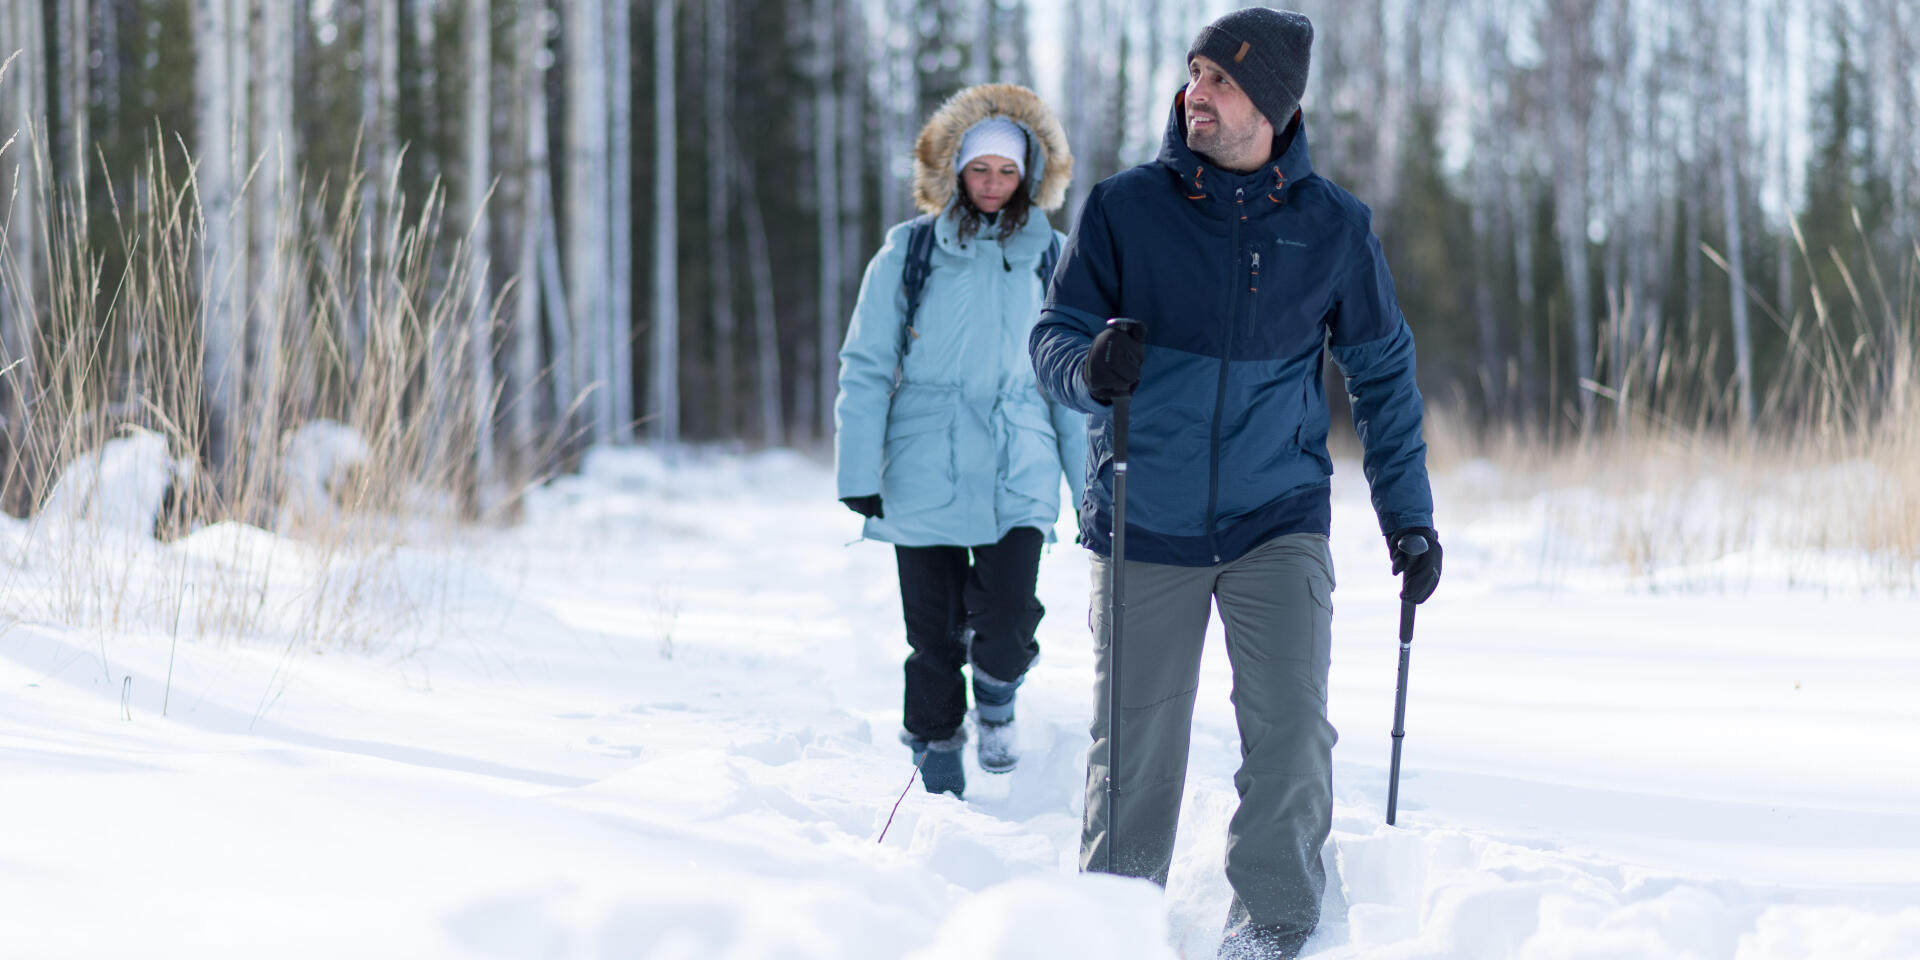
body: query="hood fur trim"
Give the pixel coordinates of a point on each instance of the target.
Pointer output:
(939, 144)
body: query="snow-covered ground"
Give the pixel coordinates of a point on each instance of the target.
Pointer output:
(657, 720)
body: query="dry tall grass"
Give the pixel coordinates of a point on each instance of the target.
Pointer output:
(103, 361)
(1822, 488)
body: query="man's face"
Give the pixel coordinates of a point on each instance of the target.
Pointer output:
(1222, 123)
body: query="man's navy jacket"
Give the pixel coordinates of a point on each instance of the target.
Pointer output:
(1242, 280)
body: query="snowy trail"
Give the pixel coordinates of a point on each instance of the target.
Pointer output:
(661, 724)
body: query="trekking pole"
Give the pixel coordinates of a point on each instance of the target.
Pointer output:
(1414, 545)
(1117, 598)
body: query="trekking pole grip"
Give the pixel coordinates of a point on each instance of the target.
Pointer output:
(1412, 545)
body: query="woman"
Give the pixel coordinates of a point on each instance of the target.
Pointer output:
(944, 443)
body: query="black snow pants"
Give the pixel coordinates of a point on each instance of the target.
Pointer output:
(944, 592)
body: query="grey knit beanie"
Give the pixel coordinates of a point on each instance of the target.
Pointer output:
(1265, 52)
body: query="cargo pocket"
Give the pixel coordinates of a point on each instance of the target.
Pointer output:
(917, 473)
(1030, 461)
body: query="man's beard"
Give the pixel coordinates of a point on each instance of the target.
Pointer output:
(1216, 141)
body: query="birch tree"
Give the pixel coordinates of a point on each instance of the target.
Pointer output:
(980, 60)
(766, 332)
(898, 93)
(214, 184)
(71, 92)
(1490, 64)
(23, 106)
(1570, 27)
(379, 107)
(1779, 15)
(587, 260)
(620, 211)
(523, 368)
(826, 165)
(853, 112)
(1731, 144)
(666, 241)
(719, 93)
(478, 182)
(270, 195)
(1079, 112)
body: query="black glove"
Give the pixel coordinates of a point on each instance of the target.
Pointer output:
(1112, 367)
(1422, 569)
(867, 506)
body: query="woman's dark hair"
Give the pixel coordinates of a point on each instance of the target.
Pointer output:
(1012, 217)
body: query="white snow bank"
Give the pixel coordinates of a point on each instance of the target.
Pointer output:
(122, 486)
(658, 723)
(1050, 917)
(314, 462)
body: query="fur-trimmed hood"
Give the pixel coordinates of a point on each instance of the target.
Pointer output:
(1049, 160)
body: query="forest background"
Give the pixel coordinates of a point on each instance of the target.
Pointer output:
(487, 235)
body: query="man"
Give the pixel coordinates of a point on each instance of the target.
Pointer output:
(1243, 266)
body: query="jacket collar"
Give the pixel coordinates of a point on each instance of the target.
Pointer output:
(1026, 243)
(1208, 185)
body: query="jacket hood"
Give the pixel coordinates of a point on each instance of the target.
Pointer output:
(1049, 161)
(1202, 180)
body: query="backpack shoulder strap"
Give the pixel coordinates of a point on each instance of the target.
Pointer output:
(913, 276)
(1048, 261)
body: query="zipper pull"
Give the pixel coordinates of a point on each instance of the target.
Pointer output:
(1255, 286)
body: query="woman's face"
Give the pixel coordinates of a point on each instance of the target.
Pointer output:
(990, 182)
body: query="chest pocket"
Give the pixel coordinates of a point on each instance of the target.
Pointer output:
(1294, 300)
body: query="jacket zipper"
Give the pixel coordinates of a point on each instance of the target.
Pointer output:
(1220, 394)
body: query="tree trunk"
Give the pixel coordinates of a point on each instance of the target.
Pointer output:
(666, 241)
(70, 88)
(423, 74)
(980, 64)
(1570, 108)
(523, 369)
(1732, 138)
(1491, 74)
(766, 332)
(719, 105)
(24, 113)
(214, 182)
(899, 96)
(1621, 213)
(566, 390)
(1782, 163)
(854, 110)
(1693, 198)
(475, 187)
(1079, 113)
(826, 162)
(379, 104)
(273, 120)
(1526, 293)
(587, 256)
(620, 208)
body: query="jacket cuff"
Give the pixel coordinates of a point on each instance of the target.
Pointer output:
(1401, 521)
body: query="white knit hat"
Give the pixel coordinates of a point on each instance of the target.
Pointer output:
(997, 137)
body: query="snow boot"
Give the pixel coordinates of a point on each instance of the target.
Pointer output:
(939, 763)
(993, 708)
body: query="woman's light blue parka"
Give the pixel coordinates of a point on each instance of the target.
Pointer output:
(952, 431)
